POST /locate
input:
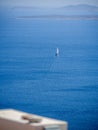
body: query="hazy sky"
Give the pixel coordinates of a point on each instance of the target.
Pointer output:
(47, 3)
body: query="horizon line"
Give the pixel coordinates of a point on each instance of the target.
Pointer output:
(54, 7)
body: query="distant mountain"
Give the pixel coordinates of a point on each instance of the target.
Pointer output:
(81, 9)
(81, 6)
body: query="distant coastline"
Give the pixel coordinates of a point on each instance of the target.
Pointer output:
(70, 17)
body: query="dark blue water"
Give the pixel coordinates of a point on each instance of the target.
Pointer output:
(32, 79)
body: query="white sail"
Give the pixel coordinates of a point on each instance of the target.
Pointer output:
(57, 52)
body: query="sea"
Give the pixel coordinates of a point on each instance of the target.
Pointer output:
(34, 80)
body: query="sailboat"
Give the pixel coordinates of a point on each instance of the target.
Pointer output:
(57, 52)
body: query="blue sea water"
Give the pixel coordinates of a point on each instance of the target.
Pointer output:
(32, 79)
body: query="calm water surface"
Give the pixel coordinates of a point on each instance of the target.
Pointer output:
(32, 79)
